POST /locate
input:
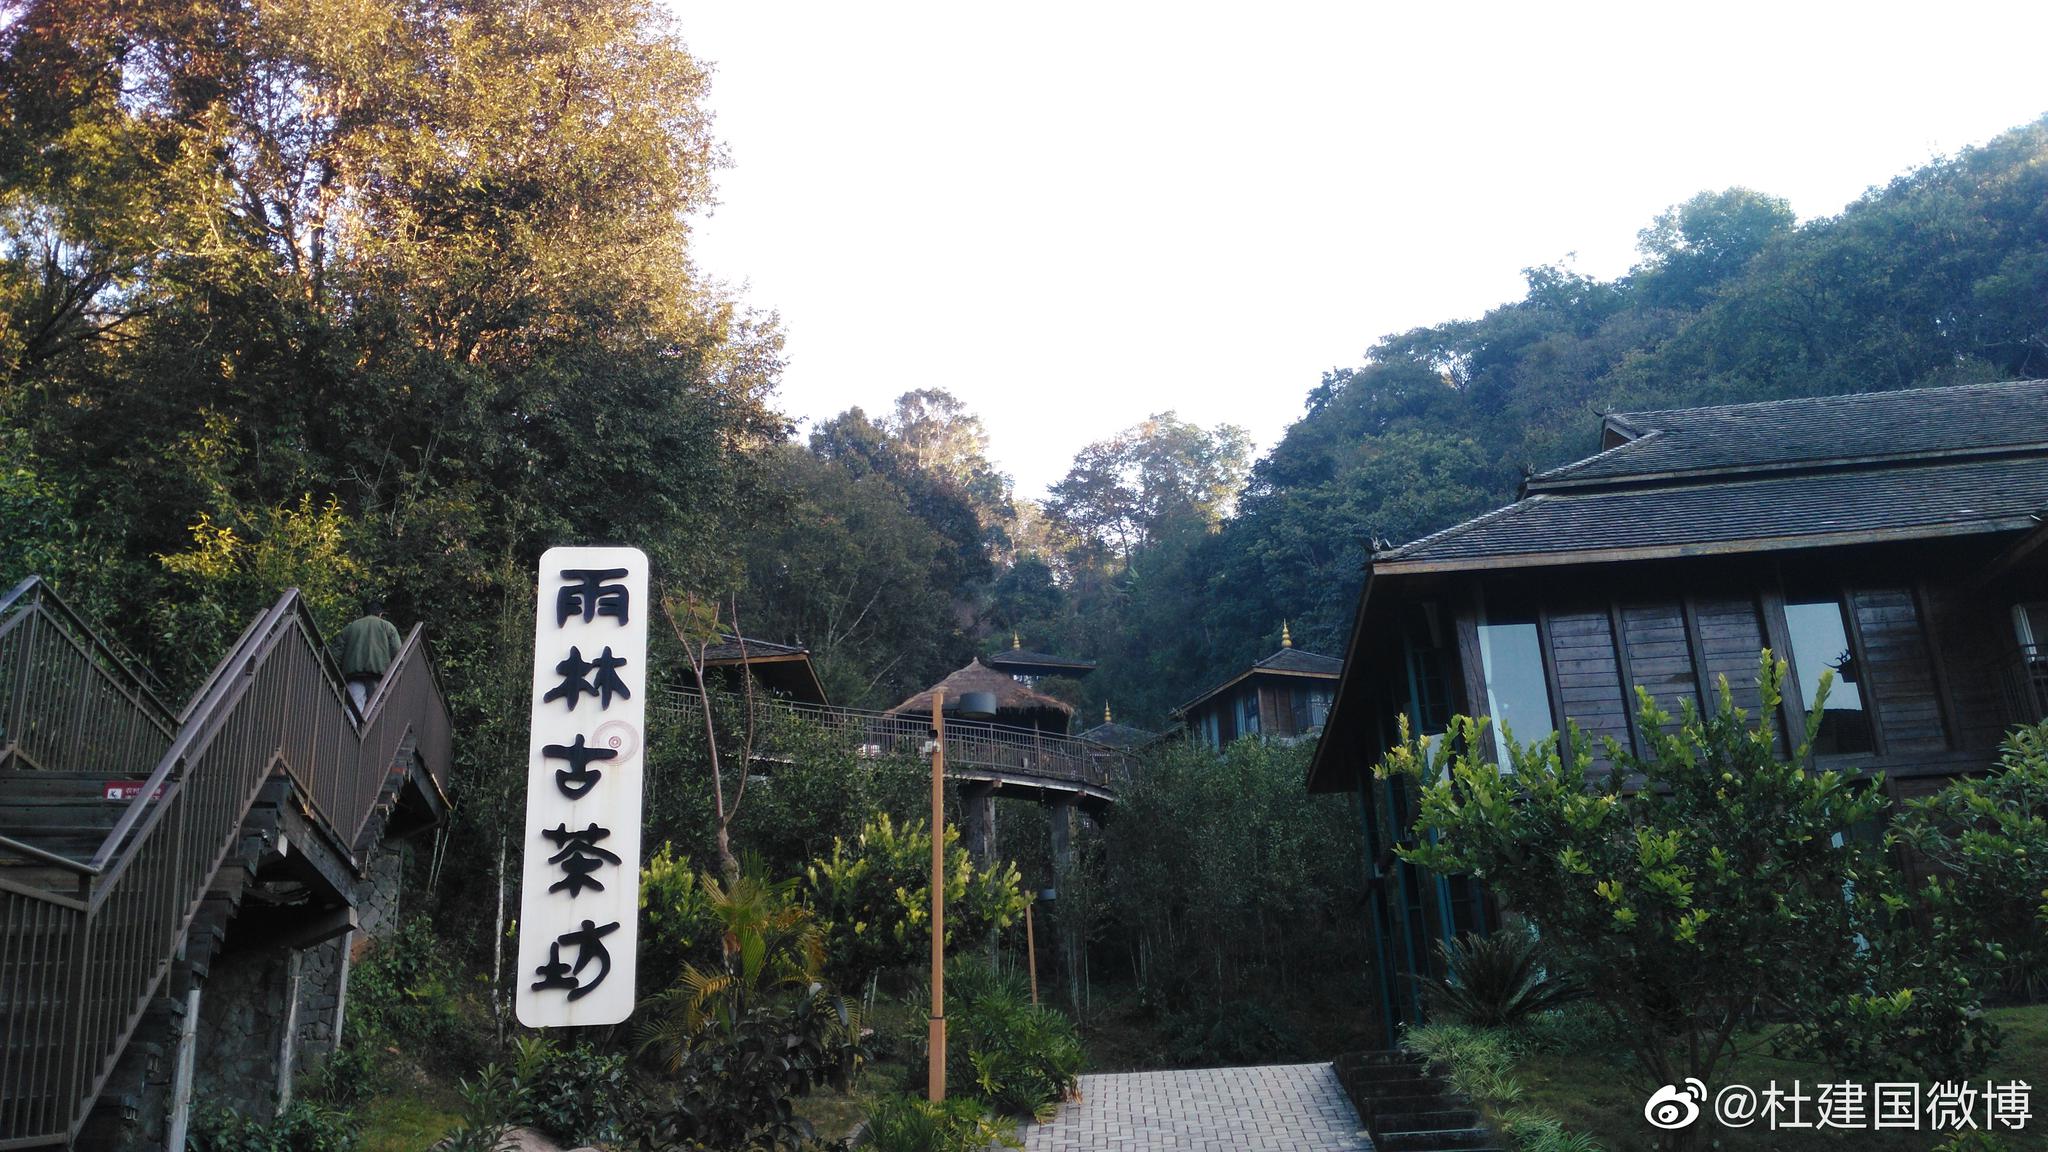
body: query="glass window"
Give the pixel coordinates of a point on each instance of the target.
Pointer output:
(1248, 712)
(1820, 644)
(1517, 698)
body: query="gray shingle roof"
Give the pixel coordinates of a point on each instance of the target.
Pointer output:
(1925, 499)
(1296, 660)
(1972, 418)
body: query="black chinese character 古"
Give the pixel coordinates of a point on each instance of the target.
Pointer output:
(579, 857)
(579, 777)
(576, 682)
(587, 595)
(589, 944)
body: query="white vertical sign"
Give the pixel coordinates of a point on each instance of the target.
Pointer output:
(580, 902)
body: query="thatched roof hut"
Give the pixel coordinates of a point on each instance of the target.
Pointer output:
(1015, 704)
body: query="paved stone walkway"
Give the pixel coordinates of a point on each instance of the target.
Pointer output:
(1277, 1108)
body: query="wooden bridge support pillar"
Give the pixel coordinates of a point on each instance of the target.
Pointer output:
(1062, 833)
(978, 805)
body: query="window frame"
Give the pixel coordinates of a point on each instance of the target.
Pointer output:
(1794, 688)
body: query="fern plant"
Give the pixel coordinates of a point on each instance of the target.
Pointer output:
(1496, 980)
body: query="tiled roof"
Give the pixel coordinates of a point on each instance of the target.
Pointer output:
(1287, 661)
(727, 651)
(1297, 660)
(1864, 426)
(1022, 658)
(1925, 500)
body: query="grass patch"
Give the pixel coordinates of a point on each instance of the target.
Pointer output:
(410, 1120)
(1593, 1089)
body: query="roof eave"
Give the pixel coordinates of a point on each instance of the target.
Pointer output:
(1400, 566)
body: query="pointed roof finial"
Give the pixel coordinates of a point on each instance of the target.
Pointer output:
(1105, 712)
(1286, 637)
(1016, 641)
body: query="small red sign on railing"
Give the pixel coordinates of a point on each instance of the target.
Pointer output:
(127, 790)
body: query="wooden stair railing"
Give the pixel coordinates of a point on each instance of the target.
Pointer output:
(78, 968)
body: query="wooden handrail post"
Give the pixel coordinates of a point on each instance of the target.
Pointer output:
(935, 1087)
(1031, 952)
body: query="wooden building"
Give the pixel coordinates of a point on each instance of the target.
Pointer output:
(1893, 538)
(783, 671)
(1284, 696)
(1029, 667)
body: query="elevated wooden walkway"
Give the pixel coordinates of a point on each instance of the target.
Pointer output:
(1008, 761)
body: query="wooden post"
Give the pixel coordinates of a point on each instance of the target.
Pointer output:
(935, 1086)
(1031, 953)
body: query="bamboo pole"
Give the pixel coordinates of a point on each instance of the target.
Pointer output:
(935, 1087)
(1031, 953)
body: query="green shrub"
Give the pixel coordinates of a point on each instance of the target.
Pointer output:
(303, 1126)
(1495, 980)
(1228, 1032)
(572, 1094)
(1989, 841)
(1019, 1058)
(490, 1104)
(402, 995)
(1479, 1062)
(913, 1124)
(873, 896)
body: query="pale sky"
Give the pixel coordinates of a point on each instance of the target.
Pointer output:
(1075, 215)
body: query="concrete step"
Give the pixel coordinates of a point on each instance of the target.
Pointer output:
(1376, 1106)
(1431, 1140)
(1406, 1087)
(1428, 1120)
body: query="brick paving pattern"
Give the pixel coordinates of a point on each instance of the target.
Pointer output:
(1277, 1108)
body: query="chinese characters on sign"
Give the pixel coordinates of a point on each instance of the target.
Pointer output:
(580, 898)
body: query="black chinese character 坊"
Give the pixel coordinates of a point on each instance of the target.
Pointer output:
(589, 944)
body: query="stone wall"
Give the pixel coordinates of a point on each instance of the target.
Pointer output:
(243, 1011)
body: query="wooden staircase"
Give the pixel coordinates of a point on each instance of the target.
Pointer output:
(130, 836)
(1406, 1107)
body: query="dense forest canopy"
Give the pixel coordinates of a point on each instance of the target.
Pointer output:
(355, 296)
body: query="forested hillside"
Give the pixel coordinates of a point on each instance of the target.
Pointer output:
(1939, 277)
(261, 330)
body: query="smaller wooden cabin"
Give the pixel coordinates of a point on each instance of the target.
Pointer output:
(783, 671)
(1285, 696)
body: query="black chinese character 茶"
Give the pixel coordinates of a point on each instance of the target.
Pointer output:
(589, 944)
(588, 595)
(579, 777)
(579, 857)
(577, 682)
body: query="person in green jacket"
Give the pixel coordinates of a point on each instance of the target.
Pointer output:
(365, 649)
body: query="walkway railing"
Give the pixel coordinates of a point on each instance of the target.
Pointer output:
(973, 748)
(82, 969)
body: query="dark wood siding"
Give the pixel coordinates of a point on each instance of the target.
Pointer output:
(1588, 679)
(1974, 636)
(1732, 640)
(1659, 657)
(1901, 674)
